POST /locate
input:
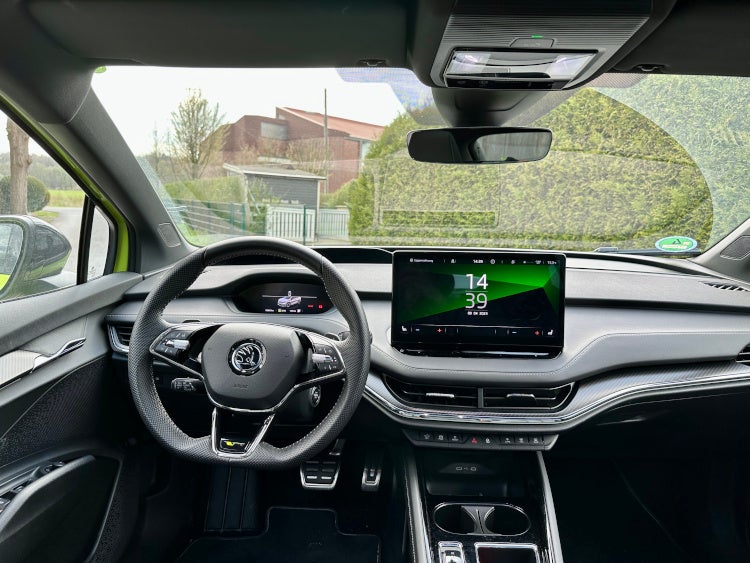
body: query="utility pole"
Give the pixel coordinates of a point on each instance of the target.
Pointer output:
(325, 135)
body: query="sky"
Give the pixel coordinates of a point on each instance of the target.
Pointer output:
(140, 99)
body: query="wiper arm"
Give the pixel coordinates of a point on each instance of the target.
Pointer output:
(648, 251)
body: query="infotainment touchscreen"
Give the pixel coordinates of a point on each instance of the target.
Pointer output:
(448, 302)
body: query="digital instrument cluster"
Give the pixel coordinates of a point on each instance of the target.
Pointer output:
(284, 298)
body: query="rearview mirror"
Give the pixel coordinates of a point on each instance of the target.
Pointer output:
(32, 252)
(479, 145)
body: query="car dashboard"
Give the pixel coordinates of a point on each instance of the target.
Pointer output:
(636, 329)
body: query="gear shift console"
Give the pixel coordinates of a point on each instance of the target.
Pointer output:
(499, 512)
(451, 552)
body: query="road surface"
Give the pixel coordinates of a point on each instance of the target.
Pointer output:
(68, 222)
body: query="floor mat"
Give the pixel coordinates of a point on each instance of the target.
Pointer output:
(601, 521)
(293, 535)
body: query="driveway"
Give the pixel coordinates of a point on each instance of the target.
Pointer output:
(68, 222)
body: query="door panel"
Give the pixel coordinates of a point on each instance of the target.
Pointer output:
(64, 429)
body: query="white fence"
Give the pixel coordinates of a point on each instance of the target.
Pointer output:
(333, 224)
(299, 224)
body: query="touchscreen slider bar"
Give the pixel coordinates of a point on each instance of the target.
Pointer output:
(480, 331)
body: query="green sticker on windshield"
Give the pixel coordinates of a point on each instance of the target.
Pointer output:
(676, 244)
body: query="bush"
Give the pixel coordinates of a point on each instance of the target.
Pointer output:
(225, 189)
(614, 179)
(37, 195)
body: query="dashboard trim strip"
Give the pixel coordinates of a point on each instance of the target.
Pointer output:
(379, 395)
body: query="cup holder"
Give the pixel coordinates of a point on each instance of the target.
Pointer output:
(456, 519)
(488, 520)
(506, 520)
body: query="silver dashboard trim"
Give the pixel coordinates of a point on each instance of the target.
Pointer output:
(379, 395)
(550, 517)
(114, 339)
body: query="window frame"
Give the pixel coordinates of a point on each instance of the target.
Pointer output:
(119, 228)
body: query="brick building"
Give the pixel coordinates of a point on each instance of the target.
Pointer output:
(295, 138)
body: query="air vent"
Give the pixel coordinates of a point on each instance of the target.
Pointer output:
(509, 398)
(744, 356)
(119, 336)
(434, 395)
(726, 286)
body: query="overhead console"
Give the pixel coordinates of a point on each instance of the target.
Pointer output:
(477, 303)
(538, 44)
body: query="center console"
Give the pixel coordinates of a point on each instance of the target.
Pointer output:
(471, 507)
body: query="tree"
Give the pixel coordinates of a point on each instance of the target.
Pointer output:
(156, 156)
(309, 155)
(19, 168)
(197, 134)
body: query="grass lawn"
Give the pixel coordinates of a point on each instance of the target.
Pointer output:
(45, 215)
(66, 198)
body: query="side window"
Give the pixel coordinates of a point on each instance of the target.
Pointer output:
(42, 210)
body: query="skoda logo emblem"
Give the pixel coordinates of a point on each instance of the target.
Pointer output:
(247, 357)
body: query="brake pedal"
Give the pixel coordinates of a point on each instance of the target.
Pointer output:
(320, 475)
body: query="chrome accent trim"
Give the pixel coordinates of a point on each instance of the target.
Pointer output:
(249, 450)
(66, 348)
(419, 536)
(114, 340)
(494, 545)
(379, 395)
(252, 345)
(274, 409)
(550, 517)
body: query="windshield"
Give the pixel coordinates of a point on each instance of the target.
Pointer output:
(319, 156)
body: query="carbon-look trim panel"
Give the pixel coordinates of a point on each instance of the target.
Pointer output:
(592, 397)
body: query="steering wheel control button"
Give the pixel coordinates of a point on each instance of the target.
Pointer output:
(185, 384)
(246, 358)
(233, 446)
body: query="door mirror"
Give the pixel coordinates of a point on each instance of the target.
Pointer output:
(479, 145)
(32, 252)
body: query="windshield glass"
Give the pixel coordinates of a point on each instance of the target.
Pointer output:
(319, 156)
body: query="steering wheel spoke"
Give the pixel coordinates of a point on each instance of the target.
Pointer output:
(229, 443)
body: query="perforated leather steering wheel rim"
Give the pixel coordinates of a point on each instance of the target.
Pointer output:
(355, 351)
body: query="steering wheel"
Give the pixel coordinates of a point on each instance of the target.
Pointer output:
(247, 367)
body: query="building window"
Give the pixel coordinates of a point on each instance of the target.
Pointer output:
(364, 148)
(275, 131)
